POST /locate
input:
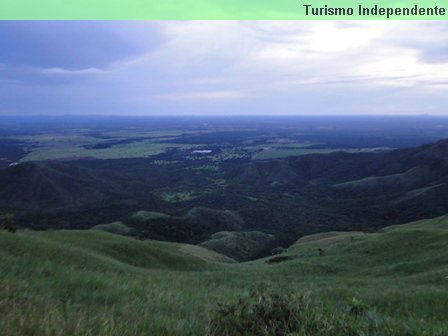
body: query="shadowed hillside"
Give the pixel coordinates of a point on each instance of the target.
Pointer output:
(40, 185)
(241, 246)
(195, 226)
(428, 163)
(287, 198)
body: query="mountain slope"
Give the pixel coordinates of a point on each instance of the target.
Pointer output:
(416, 248)
(76, 283)
(54, 184)
(95, 250)
(341, 167)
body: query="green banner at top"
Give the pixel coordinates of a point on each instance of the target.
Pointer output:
(223, 10)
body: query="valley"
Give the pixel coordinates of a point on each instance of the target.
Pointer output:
(175, 231)
(202, 164)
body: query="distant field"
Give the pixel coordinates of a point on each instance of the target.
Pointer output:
(139, 141)
(65, 137)
(133, 150)
(94, 283)
(74, 146)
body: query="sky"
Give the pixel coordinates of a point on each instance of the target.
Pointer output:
(223, 67)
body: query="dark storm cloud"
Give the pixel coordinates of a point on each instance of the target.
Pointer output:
(71, 44)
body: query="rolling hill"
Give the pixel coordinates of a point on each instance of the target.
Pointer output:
(81, 282)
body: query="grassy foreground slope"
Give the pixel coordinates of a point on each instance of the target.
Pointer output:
(95, 283)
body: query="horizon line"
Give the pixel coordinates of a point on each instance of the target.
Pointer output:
(221, 115)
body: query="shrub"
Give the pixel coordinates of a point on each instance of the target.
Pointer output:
(357, 307)
(272, 314)
(8, 222)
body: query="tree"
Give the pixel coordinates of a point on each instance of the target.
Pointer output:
(8, 222)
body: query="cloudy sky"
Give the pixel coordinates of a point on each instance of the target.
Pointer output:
(224, 67)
